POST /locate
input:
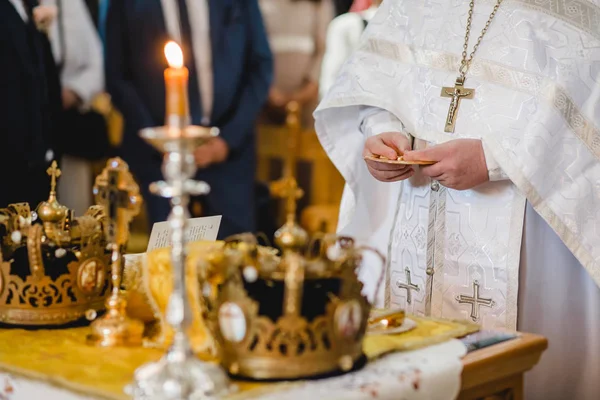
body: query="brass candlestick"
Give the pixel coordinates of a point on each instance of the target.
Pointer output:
(116, 190)
(179, 375)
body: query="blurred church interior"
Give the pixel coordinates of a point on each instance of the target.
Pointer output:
(318, 178)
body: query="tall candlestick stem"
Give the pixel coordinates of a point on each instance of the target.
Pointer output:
(179, 375)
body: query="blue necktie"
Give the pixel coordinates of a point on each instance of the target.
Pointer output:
(102, 13)
(190, 63)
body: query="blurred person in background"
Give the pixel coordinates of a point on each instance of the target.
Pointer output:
(30, 101)
(297, 31)
(81, 135)
(343, 37)
(361, 5)
(230, 71)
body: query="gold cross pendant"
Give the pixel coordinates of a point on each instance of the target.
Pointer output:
(456, 93)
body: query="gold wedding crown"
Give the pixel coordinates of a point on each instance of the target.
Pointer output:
(53, 266)
(301, 315)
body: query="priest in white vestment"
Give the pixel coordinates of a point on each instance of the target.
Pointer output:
(504, 229)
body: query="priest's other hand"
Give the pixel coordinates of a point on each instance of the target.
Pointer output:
(214, 151)
(390, 145)
(460, 163)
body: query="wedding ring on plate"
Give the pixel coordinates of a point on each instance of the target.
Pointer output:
(400, 160)
(388, 318)
(389, 322)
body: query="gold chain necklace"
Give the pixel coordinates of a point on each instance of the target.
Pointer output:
(458, 91)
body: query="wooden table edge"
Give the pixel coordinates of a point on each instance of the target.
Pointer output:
(502, 360)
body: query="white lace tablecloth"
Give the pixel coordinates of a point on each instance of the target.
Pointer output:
(432, 373)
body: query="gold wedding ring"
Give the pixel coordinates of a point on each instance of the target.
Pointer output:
(388, 320)
(400, 160)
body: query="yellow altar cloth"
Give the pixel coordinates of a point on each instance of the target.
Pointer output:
(61, 357)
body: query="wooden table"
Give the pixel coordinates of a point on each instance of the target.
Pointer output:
(496, 372)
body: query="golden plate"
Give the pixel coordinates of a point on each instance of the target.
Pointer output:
(407, 325)
(400, 160)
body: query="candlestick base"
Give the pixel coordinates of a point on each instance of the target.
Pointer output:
(115, 328)
(179, 376)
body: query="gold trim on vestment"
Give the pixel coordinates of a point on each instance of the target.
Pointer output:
(538, 203)
(526, 82)
(387, 302)
(513, 262)
(438, 207)
(580, 13)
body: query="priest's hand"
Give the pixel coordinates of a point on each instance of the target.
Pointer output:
(214, 151)
(389, 145)
(460, 163)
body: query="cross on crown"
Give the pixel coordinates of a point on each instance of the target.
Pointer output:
(54, 173)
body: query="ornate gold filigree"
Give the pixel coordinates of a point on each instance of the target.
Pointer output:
(30, 292)
(34, 251)
(44, 301)
(290, 346)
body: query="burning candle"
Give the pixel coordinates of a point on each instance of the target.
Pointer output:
(176, 82)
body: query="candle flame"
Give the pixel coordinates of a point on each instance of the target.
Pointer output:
(174, 55)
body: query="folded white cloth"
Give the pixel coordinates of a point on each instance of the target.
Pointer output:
(433, 373)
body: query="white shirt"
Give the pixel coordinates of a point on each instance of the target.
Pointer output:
(202, 49)
(18, 4)
(343, 37)
(82, 62)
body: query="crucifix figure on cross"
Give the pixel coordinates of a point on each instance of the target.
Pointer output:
(409, 286)
(475, 301)
(456, 93)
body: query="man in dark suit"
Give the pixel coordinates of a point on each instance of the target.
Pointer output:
(226, 50)
(29, 102)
